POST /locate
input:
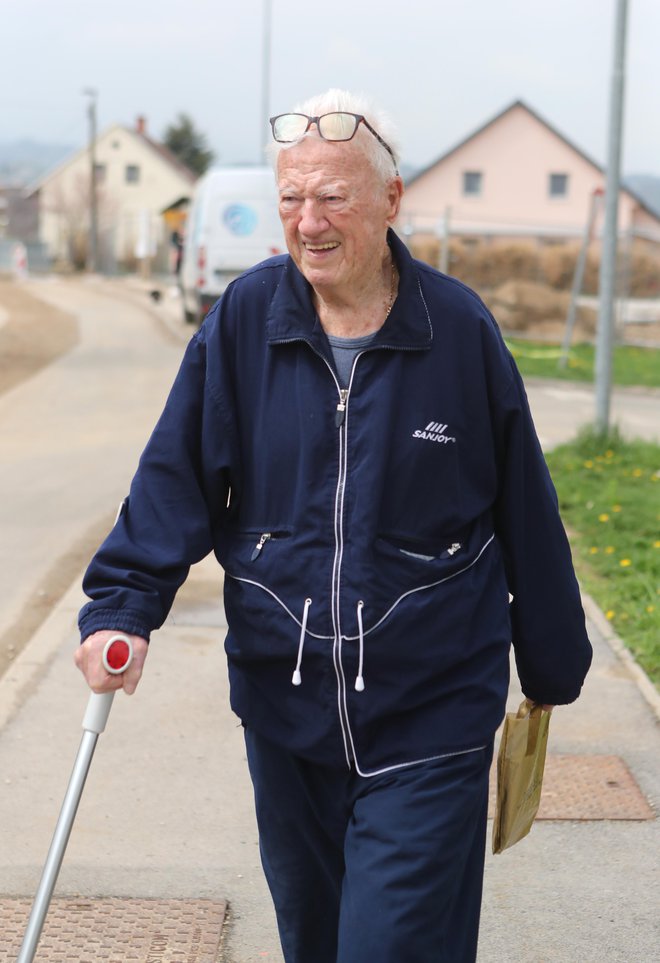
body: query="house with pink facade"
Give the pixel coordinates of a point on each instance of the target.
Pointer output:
(517, 177)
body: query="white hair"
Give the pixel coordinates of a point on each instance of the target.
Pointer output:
(381, 160)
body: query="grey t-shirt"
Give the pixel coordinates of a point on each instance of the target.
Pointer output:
(344, 351)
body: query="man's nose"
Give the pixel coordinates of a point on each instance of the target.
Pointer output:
(312, 219)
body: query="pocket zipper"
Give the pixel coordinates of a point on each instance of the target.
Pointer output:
(266, 537)
(448, 553)
(256, 551)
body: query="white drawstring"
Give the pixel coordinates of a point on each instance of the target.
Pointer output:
(296, 678)
(359, 679)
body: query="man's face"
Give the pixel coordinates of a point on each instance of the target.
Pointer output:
(335, 212)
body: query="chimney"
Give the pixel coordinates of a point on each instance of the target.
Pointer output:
(141, 125)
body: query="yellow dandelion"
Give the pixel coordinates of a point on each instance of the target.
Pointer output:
(637, 472)
(593, 550)
(609, 615)
(656, 544)
(588, 464)
(650, 608)
(616, 508)
(604, 517)
(625, 562)
(610, 550)
(609, 453)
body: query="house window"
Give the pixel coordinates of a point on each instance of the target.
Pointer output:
(558, 185)
(472, 182)
(132, 174)
(99, 173)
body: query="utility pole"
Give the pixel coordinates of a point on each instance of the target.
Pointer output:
(92, 254)
(578, 276)
(607, 279)
(265, 76)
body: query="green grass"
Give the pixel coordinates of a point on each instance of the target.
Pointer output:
(609, 495)
(630, 366)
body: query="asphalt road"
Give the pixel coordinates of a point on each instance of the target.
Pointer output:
(70, 437)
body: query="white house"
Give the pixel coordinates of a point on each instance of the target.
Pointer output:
(516, 176)
(136, 177)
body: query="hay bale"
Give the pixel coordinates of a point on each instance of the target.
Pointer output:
(524, 305)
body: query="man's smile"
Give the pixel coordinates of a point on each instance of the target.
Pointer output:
(329, 246)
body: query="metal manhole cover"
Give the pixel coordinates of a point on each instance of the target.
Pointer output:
(587, 788)
(115, 930)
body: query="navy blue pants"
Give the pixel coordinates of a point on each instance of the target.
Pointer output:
(387, 869)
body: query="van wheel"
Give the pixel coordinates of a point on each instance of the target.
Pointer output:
(190, 316)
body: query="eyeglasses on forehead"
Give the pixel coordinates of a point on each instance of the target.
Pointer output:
(337, 125)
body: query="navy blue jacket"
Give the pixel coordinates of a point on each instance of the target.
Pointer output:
(370, 538)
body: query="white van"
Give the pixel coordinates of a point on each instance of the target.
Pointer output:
(232, 224)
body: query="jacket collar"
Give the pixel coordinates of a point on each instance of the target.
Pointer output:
(292, 316)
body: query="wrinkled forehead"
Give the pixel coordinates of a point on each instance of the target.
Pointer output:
(311, 156)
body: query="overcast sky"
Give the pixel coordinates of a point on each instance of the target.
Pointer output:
(441, 68)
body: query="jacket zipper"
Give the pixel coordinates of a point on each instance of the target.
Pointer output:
(340, 423)
(340, 414)
(342, 426)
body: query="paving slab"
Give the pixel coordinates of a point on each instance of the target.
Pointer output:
(118, 930)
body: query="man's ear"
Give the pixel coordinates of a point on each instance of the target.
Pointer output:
(394, 194)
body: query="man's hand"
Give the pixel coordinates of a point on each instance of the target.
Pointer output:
(89, 659)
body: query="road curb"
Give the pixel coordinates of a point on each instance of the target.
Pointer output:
(618, 646)
(32, 662)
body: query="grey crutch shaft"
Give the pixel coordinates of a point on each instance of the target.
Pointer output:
(57, 847)
(117, 655)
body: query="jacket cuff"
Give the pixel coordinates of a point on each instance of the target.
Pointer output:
(549, 698)
(117, 620)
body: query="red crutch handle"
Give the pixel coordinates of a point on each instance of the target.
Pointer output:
(117, 654)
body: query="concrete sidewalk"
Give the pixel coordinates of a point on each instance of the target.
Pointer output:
(167, 811)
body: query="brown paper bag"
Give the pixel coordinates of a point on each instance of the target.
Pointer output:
(520, 764)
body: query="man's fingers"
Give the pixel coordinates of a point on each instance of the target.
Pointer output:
(89, 659)
(130, 678)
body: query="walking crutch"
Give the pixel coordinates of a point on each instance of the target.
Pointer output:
(117, 655)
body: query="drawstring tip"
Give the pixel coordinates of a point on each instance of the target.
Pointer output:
(296, 678)
(359, 684)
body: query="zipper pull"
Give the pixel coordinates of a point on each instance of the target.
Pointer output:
(340, 414)
(260, 544)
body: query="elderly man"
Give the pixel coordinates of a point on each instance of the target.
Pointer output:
(350, 436)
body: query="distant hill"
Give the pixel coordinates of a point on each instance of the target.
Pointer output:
(23, 161)
(647, 187)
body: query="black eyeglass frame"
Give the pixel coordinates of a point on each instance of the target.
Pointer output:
(359, 119)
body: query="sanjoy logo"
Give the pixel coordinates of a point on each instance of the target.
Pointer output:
(435, 431)
(241, 219)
